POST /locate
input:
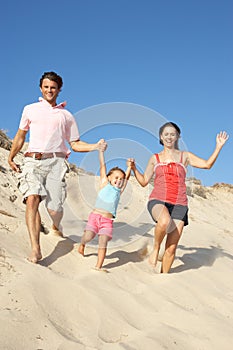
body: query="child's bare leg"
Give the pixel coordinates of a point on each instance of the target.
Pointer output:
(103, 241)
(87, 237)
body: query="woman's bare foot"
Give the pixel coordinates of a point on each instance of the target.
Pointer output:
(35, 256)
(81, 249)
(153, 258)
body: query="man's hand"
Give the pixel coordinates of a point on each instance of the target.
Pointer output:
(15, 148)
(14, 166)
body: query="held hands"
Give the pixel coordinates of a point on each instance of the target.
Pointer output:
(102, 145)
(221, 139)
(131, 163)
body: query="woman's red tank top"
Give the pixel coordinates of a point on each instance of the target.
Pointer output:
(169, 182)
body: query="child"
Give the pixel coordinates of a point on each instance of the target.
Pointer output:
(101, 218)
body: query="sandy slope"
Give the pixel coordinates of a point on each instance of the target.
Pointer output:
(63, 304)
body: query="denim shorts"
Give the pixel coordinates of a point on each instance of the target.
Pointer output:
(176, 211)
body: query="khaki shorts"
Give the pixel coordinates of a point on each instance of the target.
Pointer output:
(45, 178)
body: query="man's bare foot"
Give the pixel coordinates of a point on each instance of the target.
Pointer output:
(153, 258)
(81, 249)
(35, 257)
(55, 231)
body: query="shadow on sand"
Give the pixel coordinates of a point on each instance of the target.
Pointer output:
(198, 257)
(122, 257)
(62, 248)
(122, 234)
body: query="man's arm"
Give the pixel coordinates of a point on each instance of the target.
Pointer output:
(81, 146)
(17, 144)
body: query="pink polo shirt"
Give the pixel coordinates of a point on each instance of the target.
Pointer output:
(50, 127)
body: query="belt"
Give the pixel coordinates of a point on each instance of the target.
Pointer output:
(40, 155)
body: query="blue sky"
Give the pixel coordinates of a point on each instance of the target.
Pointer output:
(174, 57)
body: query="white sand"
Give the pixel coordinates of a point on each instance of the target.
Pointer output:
(61, 303)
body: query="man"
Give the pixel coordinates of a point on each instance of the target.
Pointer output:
(43, 175)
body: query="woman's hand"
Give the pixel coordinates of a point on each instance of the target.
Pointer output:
(221, 139)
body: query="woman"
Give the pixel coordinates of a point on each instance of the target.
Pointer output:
(168, 204)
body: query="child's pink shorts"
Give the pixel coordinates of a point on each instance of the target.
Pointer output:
(97, 223)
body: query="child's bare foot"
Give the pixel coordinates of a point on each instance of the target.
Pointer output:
(99, 269)
(153, 258)
(35, 256)
(81, 249)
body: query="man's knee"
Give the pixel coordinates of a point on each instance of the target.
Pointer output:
(32, 200)
(55, 212)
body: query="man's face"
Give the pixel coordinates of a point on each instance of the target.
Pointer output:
(50, 91)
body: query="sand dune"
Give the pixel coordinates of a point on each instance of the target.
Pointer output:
(62, 303)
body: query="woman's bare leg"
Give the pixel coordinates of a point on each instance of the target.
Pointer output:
(162, 216)
(171, 245)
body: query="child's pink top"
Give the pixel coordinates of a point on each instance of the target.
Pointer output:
(169, 182)
(50, 127)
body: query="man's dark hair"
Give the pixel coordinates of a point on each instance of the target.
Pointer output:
(52, 76)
